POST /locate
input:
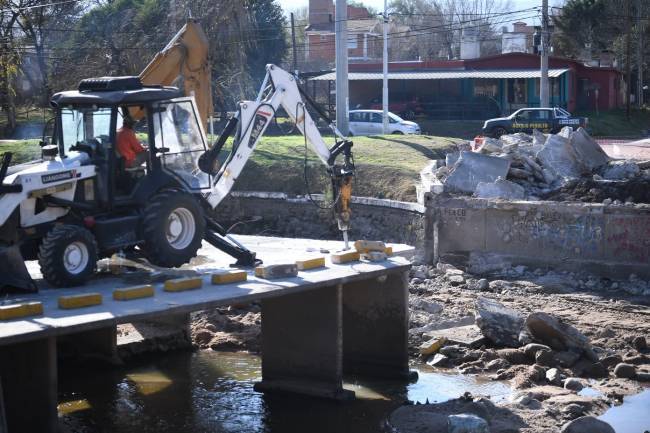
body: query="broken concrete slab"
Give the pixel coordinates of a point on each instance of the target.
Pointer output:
(467, 423)
(559, 156)
(473, 168)
(619, 170)
(468, 335)
(500, 188)
(589, 153)
(499, 324)
(549, 330)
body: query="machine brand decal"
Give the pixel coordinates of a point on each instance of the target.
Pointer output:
(56, 177)
(256, 130)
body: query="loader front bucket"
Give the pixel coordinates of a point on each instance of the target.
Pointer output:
(13, 272)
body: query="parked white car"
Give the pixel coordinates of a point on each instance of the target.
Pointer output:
(370, 122)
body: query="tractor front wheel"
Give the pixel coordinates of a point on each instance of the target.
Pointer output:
(68, 255)
(173, 228)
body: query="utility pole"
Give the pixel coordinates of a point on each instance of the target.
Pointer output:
(293, 44)
(341, 36)
(384, 99)
(543, 81)
(628, 66)
(640, 27)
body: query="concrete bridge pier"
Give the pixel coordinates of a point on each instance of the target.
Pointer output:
(375, 327)
(29, 383)
(310, 339)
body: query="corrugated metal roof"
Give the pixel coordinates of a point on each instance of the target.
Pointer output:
(446, 75)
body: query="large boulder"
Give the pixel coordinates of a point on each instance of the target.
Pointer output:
(549, 330)
(587, 424)
(498, 324)
(467, 423)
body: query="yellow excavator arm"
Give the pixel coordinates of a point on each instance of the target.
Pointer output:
(184, 63)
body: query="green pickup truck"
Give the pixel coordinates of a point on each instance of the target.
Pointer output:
(526, 119)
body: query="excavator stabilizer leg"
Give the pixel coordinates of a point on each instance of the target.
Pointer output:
(14, 276)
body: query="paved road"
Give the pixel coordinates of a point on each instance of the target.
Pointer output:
(626, 149)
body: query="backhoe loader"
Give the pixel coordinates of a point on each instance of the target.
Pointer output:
(80, 203)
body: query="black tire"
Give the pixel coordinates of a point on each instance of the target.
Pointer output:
(161, 246)
(397, 133)
(498, 132)
(68, 255)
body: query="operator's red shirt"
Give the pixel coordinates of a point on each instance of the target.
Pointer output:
(128, 145)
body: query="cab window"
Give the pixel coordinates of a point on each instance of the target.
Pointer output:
(543, 115)
(376, 118)
(84, 125)
(523, 116)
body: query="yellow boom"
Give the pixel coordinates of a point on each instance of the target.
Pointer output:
(184, 63)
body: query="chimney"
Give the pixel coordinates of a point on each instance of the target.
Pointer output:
(321, 12)
(519, 27)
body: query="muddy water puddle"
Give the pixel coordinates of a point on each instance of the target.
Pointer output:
(213, 392)
(633, 416)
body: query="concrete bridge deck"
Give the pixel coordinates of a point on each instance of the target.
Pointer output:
(347, 317)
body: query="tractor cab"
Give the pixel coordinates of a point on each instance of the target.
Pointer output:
(88, 122)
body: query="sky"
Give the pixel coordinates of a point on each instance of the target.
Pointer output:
(289, 5)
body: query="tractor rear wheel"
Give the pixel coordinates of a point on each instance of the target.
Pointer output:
(68, 255)
(173, 228)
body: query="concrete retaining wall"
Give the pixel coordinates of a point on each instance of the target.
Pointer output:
(610, 240)
(277, 214)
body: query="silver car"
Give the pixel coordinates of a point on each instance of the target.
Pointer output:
(370, 122)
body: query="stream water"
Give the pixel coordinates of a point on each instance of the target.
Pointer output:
(213, 392)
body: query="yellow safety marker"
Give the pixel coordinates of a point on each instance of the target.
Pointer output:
(365, 247)
(229, 277)
(181, 284)
(129, 293)
(16, 311)
(432, 346)
(80, 301)
(388, 251)
(286, 270)
(345, 257)
(317, 262)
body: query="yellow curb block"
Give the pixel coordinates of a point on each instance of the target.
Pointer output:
(285, 270)
(432, 346)
(129, 293)
(80, 301)
(8, 312)
(345, 257)
(229, 277)
(318, 262)
(388, 251)
(181, 284)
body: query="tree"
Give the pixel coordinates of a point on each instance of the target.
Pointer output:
(9, 60)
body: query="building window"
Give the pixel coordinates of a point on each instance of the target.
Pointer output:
(517, 91)
(352, 42)
(488, 87)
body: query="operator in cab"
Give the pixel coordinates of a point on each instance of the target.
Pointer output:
(128, 146)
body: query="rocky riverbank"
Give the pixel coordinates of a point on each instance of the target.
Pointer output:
(571, 345)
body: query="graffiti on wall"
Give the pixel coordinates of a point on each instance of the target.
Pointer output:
(550, 232)
(628, 237)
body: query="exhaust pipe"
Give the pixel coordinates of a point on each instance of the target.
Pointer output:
(14, 276)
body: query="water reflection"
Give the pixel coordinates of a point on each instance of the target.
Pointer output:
(213, 392)
(633, 416)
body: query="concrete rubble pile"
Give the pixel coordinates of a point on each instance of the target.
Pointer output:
(527, 167)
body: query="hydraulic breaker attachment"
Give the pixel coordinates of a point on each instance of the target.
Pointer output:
(13, 272)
